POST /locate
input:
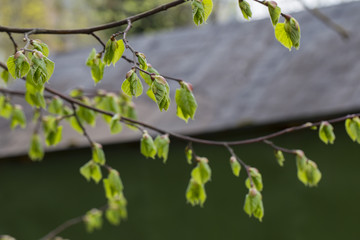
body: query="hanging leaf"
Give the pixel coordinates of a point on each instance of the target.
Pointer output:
(186, 103)
(17, 117)
(161, 91)
(307, 170)
(162, 146)
(117, 209)
(113, 184)
(188, 154)
(91, 170)
(34, 93)
(148, 148)
(56, 106)
(352, 127)
(142, 60)
(147, 77)
(5, 76)
(42, 68)
(18, 65)
(253, 204)
(245, 9)
(97, 66)
(195, 193)
(85, 114)
(132, 85)
(274, 12)
(40, 46)
(201, 10)
(235, 166)
(93, 220)
(326, 133)
(256, 179)
(288, 33)
(279, 157)
(36, 151)
(98, 154)
(115, 125)
(6, 108)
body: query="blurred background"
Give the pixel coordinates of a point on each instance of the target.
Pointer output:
(246, 86)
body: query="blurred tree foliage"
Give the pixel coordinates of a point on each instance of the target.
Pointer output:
(84, 13)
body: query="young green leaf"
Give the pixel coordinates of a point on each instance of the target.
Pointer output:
(18, 117)
(5, 76)
(93, 220)
(56, 106)
(98, 154)
(86, 114)
(310, 175)
(202, 172)
(115, 125)
(110, 49)
(279, 157)
(40, 46)
(201, 10)
(188, 154)
(162, 146)
(42, 68)
(18, 65)
(282, 36)
(256, 179)
(326, 133)
(119, 51)
(161, 91)
(75, 124)
(117, 209)
(142, 61)
(186, 103)
(34, 93)
(245, 9)
(113, 185)
(6, 108)
(97, 66)
(91, 170)
(352, 127)
(235, 166)
(147, 77)
(36, 151)
(274, 12)
(147, 146)
(288, 33)
(132, 85)
(195, 193)
(253, 204)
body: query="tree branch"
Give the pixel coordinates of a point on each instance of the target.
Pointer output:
(96, 28)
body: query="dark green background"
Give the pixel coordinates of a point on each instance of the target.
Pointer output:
(37, 197)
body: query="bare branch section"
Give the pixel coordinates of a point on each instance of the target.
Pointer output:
(96, 28)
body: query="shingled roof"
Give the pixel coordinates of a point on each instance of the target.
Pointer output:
(240, 73)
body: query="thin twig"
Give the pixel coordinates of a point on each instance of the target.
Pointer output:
(291, 151)
(81, 125)
(100, 41)
(13, 41)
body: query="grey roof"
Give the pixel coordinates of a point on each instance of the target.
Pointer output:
(240, 73)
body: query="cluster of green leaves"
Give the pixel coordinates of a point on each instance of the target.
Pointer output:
(149, 147)
(113, 52)
(13, 112)
(93, 220)
(201, 10)
(200, 175)
(186, 102)
(36, 66)
(253, 201)
(287, 33)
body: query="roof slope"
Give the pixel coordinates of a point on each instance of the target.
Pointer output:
(240, 73)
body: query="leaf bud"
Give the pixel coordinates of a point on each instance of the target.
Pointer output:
(18, 54)
(38, 54)
(129, 73)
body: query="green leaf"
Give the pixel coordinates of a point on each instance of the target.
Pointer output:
(202, 172)
(91, 170)
(97, 66)
(282, 36)
(245, 9)
(256, 179)
(18, 65)
(56, 106)
(307, 170)
(142, 61)
(161, 91)
(195, 193)
(279, 157)
(5, 76)
(119, 51)
(42, 69)
(253, 204)
(235, 166)
(93, 220)
(150, 94)
(76, 93)
(201, 10)
(36, 151)
(117, 209)
(75, 125)
(17, 117)
(274, 12)
(188, 154)
(40, 46)
(34, 94)
(53, 132)
(147, 146)
(110, 48)
(147, 77)
(352, 127)
(186, 103)
(86, 114)
(115, 125)
(162, 146)
(326, 133)
(6, 108)
(132, 85)
(113, 184)
(98, 154)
